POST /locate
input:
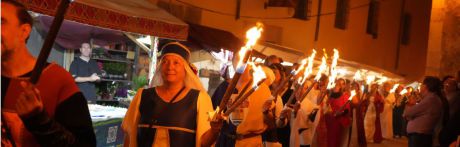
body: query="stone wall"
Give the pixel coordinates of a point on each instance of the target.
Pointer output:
(450, 60)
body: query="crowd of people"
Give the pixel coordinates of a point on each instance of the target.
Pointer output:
(427, 115)
(177, 111)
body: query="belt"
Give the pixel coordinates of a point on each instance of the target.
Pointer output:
(241, 136)
(166, 127)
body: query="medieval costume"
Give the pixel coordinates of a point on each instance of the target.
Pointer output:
(152, 121)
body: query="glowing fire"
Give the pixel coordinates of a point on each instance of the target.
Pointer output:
(252, 35)
(333, 75)
(309, 67)
(321, 68)
(382, 80)
(370, 79)
(394, 88)
(404, 91)
(302, 65)
(357, 76)
(353, 93)
(257, 75)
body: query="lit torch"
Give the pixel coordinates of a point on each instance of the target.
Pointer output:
(352, 94)
(308, 70)
(252, 36)
(394, 88)
(357, 76)
(382, 80)
(322, 67)
(258, 78)
(404, 91)
(333, 70)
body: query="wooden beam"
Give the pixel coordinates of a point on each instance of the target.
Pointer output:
(140, 44)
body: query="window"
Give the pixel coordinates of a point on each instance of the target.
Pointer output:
(372, 18)
(341, 14)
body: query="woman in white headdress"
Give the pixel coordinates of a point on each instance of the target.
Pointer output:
(174, 111)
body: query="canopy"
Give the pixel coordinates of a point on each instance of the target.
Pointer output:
(137, 16)
(73, 34)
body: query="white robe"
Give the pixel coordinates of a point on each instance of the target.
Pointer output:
(369, 120)
(386, 118)
(301, 121)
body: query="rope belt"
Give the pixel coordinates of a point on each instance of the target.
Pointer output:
(166, 127)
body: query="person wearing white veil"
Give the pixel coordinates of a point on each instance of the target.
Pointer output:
(173, 112)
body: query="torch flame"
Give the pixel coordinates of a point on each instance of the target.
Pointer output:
(257, 75)
(404, 91)
(394, 88)
(382, 80)
(370, 79)
(357, 76)
(333, 76)
(353, 93)
(309, 67)
(252, 35)
(302, 65)
(321, 68)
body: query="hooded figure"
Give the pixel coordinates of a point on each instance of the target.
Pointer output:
(173, 112)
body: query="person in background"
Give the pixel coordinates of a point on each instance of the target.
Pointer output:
(359, 110)
(174, 112)
(52, 112)
(272, 109)
(398, 110)
(227, 128)
(423, 116)
(387, 114)
(272, 59)
(372, 124)
(280, 75)
(452, 93)
(85, 72)
(338, 120)
(220, 90)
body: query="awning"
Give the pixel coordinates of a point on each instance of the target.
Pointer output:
(348, 67)
(73, 34)
(212, 39)
(287, 54)
(137, 16)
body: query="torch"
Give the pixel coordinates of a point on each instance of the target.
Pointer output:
(308, 70)
(49, 41)
(365, 89)
(259, 78)
(283, 83)
(352, 94)
(252, 35)
(323, 67)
